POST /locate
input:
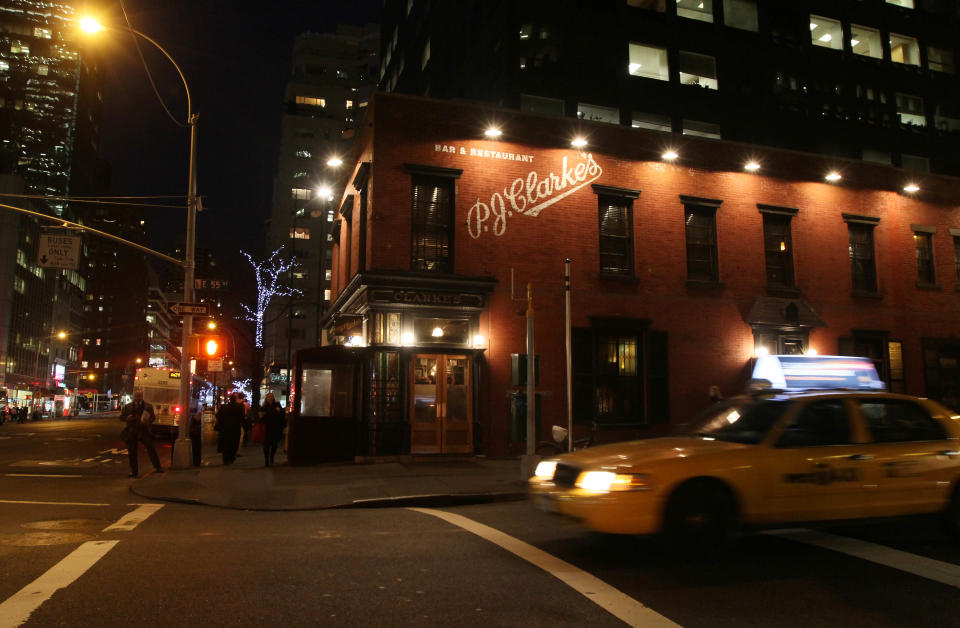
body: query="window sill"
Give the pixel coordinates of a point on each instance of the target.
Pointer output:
(782, 291)
(928, 286)
(866, 295)
(704, 284)
(619, 277)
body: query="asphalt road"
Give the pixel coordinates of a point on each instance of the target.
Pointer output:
(78, 549)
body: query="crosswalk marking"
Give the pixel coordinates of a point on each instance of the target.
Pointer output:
(133, 518)
(939, 571)
(43, 475)
(17, 501)
(17, 609)
(609, 598)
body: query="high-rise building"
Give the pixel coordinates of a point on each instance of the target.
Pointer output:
(49, 140)
(874, 80)
(332, 76)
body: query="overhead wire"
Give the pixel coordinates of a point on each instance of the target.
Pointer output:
(143, 61)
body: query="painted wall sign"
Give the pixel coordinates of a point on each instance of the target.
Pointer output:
(530, 195)
(427, 297)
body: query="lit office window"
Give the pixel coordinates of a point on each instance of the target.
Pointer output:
(697, 69)
(301, 194)
(907, 4)
(310, 101)
(652, 5)
(696, 9)
(306, 154)
(598, 113)
(865, 41)
(825, 32)
(910, 110)
(904, 49)
(300, 233)
(648, 61)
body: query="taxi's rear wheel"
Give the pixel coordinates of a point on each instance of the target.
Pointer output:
(701, 520)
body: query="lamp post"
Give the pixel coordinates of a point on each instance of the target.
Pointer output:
(182, 454)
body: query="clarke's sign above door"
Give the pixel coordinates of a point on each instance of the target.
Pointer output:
(530, 195)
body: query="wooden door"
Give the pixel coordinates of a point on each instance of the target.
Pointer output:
(441, 412)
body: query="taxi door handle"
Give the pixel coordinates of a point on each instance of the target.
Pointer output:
(861, 457)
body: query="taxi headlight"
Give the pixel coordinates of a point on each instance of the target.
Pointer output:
(607, 481)
(545, 469)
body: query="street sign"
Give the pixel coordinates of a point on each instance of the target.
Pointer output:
(215, 365)
(58, 251)
(199, 309)
(201, 283)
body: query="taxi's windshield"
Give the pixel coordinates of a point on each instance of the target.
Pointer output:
(742, 420)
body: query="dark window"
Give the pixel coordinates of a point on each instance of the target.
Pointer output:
(956, 255)
(923, 243)
(616, 236)
(701, 227)
(897, 421)
(432, 224)
(819, 423)
(863, 265)
(778, 247)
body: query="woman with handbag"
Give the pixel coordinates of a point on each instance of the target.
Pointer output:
(273, 420)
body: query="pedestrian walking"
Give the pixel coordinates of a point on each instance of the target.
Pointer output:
(139, 416)
(275, 420)
(249, 418)
(229, 421)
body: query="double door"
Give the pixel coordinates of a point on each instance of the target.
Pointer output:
(441, 412)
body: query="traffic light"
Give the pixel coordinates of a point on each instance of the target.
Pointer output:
(210, 346)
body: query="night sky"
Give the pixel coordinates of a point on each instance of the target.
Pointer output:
(236, 59)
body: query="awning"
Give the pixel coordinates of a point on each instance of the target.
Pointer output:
(779, 312)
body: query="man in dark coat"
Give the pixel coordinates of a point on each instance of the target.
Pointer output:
(230, 419)
(139, 416)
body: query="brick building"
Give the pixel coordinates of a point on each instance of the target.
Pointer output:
(689, 255)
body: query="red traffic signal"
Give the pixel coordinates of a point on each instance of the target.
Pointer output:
(210, 346)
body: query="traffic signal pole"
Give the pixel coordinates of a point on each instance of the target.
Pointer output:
(183, 450)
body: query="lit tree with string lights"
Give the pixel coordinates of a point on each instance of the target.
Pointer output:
(268, 274)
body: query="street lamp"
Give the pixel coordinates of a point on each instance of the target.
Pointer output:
(182, 454)
(36, 360)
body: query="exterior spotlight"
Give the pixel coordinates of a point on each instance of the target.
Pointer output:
(760, 352)
(479, 340)
(811, 351)
(669, 155)
(833, 176)
(911, 187)
(751, 166)
(578, 142)
(437, 332)
(324, 191)
(333, 162)
(406, 338)
(493, 132)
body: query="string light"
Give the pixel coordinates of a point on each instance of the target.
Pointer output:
(268, 274)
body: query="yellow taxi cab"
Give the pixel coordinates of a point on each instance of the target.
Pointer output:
(796, 451)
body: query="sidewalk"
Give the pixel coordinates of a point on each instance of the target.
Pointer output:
(407, 481)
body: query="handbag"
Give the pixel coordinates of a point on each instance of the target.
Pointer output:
(259, 432)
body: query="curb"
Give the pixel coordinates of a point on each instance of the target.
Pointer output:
(426, 501)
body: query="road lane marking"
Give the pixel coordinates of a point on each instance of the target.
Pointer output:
(17, 609)
(936, 570)
(43, 475)
(17, 501)
(133, 518)
(609, 598)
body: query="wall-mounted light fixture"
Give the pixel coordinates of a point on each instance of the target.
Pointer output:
(493, 132)
(669, 155)
(578, 142)
(833, 176)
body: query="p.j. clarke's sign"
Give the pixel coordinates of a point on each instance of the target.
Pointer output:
(526, 196)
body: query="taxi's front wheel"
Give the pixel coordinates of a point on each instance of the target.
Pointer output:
(701, 520)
